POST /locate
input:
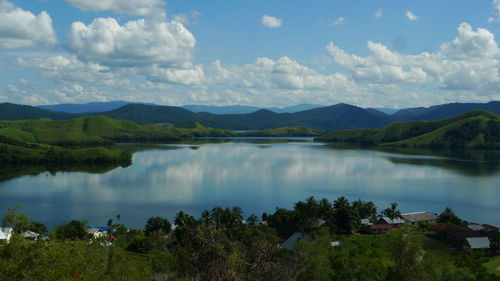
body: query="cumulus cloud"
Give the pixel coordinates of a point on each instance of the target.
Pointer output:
(131, 7)
(467, 62)
(271, 22)
(496, 12)
(69, 69)
(338, 21)
(378, 13)
(284, 73)
(136, 43)
(20, 28)
(411, 16)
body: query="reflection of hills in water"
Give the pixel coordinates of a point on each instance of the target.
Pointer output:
(467, 162)
(8, 172)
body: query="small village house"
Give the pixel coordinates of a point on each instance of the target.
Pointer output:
(476, 243)
(419, 217)
(6, 234)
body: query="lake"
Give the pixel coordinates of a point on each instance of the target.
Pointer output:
(257, 176)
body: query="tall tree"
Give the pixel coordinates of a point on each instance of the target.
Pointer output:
(392, 212)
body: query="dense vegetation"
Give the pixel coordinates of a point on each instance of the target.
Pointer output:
(219, 246)
(284, 132)
(475, 129)
(340, 116)
(84, 139)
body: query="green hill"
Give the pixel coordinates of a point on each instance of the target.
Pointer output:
(81, 140)
(96, 130)
(284, 132)
(475, 129)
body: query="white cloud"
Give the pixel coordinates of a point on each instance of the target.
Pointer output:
(20, 28)
(496, 12)
(466, 63)
(411, 16)
(338, 21)
(131, 7)
(378, 13)
(136, 43)
(271, 22)
(471, 44)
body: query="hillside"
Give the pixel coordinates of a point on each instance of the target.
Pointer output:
(443, 111)
(86, 107)
(96, 130)
(10, 111)
(475, 129)
(340, 116)
(81, 140)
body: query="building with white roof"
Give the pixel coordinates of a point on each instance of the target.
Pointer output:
(6, 234)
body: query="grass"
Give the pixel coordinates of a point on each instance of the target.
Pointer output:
(493, 266)
(475, 129)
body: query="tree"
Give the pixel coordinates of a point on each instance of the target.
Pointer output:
(73, 230)
(345, 217)
(252, 220)
(365, 210)
(157, 225)
(408, 255)
(449, 216)
(392, 212)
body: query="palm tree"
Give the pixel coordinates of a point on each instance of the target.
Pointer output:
(392, 212)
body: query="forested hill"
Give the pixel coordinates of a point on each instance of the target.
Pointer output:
(443, 111)
(340, 116)
(475, 129)
(334, 117)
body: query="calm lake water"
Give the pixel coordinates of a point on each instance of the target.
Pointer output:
(258, 176)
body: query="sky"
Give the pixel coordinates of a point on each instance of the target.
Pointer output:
(370, 53)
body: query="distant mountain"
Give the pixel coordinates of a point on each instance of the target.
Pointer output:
(474, 129)
(387, 110)
(230, 109)
(86, 107)
(340, 116)
(10, 111)
(443, 111)
(240, 109)
(334, 117)
(295, 108)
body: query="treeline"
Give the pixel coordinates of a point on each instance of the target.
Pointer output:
(222, 245)
(36, 154)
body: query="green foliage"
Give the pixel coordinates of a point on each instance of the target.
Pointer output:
(475, 129)
(73, 230)
(299, 131)
(157, 226)
(448, 216)
(392, 212)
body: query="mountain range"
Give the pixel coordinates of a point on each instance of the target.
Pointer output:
(334, 117)
(92, 107)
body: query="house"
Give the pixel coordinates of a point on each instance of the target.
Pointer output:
(6, 234)
(377, 228)
(365, 222)
(395, 222)
(475, 226)
(454, 234)
(97, 231)
(292, 241)
(492, 228)
(419, 217)
(474, 243)
(31, 235)
(335, 244)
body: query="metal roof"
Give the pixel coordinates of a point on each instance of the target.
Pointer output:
(419, 216)
(5, 233)
(478, 242)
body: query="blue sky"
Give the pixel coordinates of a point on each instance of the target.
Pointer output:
(382, 53)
